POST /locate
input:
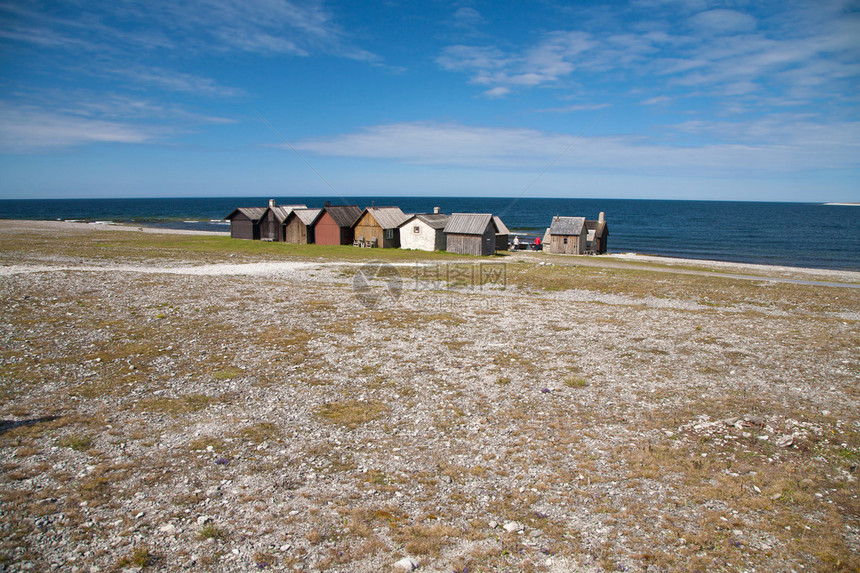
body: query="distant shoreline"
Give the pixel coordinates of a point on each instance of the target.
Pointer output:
(811, 273)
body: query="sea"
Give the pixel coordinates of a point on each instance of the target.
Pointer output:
(811, 235)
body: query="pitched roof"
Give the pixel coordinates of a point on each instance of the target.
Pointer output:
(567, 225)
(597, 227)
(306, 216)
(386, 217)
(433, 220)
(343, 215)
(253, 213)
(283, 211)
(501, 229)
(468, 223)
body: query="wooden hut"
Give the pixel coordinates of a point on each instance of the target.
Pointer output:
(597, 235)
(297, 226)
(272, 220)
(503, 235)
(378, 227)
(245, 222)
(424, 232)
(471, 234)
(333, 226)
(567, 235)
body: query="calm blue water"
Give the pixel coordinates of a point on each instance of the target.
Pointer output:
(793, 234)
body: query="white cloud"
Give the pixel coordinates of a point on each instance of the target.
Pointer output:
(546, 62)
(791, 54)
(764, 149)
(574, 108)
(190, 26)
(723, 22)
(174, 81)
(467, 17)
(656, 100)
(24, 129)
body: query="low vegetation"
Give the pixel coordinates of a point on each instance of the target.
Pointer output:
(583, 418)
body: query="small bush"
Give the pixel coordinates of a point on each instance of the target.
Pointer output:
(79, 443)
(139, 557)
(575, 382)
(210, 531)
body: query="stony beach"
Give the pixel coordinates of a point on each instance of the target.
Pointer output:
(178, 402)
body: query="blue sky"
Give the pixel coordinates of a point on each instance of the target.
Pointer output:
(675, 99)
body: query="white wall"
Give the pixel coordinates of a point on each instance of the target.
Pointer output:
(424, 240)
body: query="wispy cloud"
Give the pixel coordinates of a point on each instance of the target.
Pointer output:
(25, 129)
(195, 26)
(796, 53)
(457, 145)
(173, 81)
(574, 108)
(543, 63)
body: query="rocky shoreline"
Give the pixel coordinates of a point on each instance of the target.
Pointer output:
(180, 414)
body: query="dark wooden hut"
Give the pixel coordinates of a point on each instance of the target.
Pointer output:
(297, 226)
(567, 235)
(471, 234)
(503, 235)
(597, 235)
(333, 226)
(245, 222)
(272, 221)
(378, 227)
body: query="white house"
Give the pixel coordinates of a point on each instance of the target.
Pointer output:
(424, 232)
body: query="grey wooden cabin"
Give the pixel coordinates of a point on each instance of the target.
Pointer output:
(245, 222)
(297, 226)
(471, 234)
(272, 221)
(567, 236)
(598, 235)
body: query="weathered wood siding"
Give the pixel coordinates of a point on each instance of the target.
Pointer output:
(478, 245)
(297, 232)
(567, 244)
(502, 241)
(270, 228)
(241, 227)
(367, 229)
(426, 239)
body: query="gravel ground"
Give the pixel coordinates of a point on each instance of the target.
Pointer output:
(328, 417)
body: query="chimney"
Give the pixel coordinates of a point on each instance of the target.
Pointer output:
(601, 218)
(436, 210)
(271, 202)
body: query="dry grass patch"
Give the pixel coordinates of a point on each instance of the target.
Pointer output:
(351, 413)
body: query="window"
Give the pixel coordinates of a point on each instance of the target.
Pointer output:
(565, 240)
(389, 233)
(416, 229)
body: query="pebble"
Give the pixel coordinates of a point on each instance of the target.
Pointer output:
(513, 526)
(785, 441)
(407, 564)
